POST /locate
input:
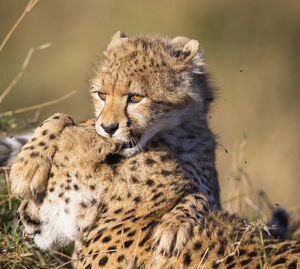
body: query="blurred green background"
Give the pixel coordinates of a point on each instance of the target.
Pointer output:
(251, 50)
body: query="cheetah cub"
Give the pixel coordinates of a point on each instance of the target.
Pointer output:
(35, 170)
(147, 88)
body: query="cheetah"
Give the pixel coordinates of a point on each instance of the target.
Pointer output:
(36, 159)
(114, 205)
(147, 88)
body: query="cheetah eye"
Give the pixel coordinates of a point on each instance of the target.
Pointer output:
(102, 95)
(135, 98)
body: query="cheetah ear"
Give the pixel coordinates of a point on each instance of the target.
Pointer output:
(184, 48)
(179, 41)
(118, 38)
(117, 35)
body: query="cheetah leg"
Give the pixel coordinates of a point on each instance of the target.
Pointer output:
(30, 171)
(176, 227)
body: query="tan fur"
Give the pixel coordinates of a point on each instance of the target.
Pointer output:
(169, 76)
(119, 203)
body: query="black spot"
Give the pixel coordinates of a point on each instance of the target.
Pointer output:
(83, 204)
(110, 220)
(152, 224)
(42, 144)
(221, 249)
(112, 159)
(187, 259)
(229, 260)
(279, 261)
(149, 161)
(220, 233)
(92, 187)
(197, 245)
(88, 266)
(135, 219)
(75, 187)
(252, 254)
(45, 132)
(103, 261)
(282, 249)
(106, 239)
(51, 189)
(98, 236)
(34, 154)
(125, 230)
(56, 117)
(166, 157)
(137, 199)
(52, 136)
(244, 262)
(165, 173)
(134, 180)
(131, 234)
(120, 258)
(128, 243)
(156, 196)
(68, 188)
(129, 211)
(127, 218)
(111, 248)
(118, 211)
(150, 182)
(293, 265)
(230, 266)
(117, 226)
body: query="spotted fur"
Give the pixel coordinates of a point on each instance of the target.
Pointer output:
(168, 79)
(113, 206)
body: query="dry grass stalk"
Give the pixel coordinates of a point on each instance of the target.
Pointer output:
(4, 168)
(203, 257)
(34, 107)
(21, 73)
(27, 9)
(8, 189)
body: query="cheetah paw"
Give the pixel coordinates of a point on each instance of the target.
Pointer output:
(30, 171)
(171, 237)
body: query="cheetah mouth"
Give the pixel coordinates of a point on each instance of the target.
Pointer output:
(133, 142)
(34, 233)
(130, 144)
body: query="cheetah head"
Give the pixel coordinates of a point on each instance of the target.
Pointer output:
(146, 85)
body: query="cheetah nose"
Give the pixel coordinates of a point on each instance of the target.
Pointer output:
(110, 128)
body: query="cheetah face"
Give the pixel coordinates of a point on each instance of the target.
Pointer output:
(48, 224)
(145, 86)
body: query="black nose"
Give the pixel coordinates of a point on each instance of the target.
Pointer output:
(111, 128)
